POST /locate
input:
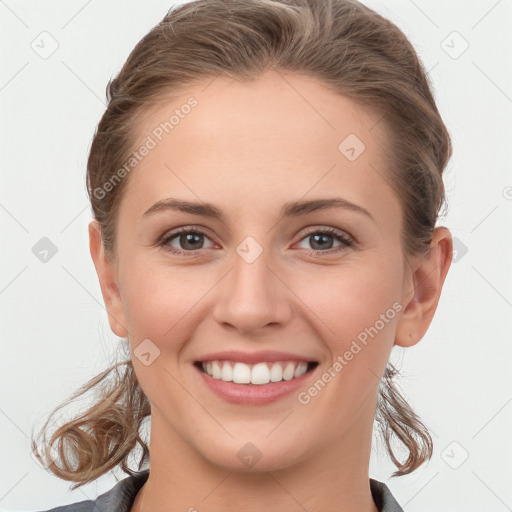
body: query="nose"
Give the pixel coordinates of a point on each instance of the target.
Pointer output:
(253, 296)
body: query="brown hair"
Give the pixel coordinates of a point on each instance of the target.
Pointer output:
(349, 48)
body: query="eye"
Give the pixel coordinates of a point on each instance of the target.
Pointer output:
(321, 240)
(189, 240)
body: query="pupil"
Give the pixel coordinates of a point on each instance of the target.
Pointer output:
(189, 238)
(315, 237)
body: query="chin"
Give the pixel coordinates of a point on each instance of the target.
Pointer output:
(260, 455)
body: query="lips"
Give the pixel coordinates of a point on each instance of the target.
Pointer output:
(254, 378)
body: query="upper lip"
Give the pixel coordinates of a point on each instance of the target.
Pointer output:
(254, 357)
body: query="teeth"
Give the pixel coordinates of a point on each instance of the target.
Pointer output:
(300, 370)
(216, 370)
(289, 371)
(241, 373)
(259, 374)
(227, 373)
(276, 372)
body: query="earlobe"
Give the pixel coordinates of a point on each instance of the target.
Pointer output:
(106, 272)
(423, 289)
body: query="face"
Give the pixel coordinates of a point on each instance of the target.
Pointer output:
(260, 278)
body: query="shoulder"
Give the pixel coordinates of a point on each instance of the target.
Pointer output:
(118, 499)
(383, 498)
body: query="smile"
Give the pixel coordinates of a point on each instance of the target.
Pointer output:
(258, 374)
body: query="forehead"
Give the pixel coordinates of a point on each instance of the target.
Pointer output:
(283, 136)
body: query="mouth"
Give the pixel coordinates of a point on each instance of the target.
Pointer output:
(260, 374)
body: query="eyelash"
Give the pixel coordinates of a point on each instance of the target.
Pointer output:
(344, 239)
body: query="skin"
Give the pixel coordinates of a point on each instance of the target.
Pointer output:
(249, 148)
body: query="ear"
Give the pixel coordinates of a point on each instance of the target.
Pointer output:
(106, 271)
(422, 288)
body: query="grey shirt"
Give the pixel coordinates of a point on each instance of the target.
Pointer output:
(121, 497)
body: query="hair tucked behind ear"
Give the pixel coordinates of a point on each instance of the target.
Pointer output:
(350, 49)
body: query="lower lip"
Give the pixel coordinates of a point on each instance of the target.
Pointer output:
(253, 394)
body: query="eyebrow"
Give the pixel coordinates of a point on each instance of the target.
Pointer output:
(291, 209)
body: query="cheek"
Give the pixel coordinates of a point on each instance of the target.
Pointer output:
(360, 306)
(161, 306)
(160, 302)
(355, 297)
(361, 309)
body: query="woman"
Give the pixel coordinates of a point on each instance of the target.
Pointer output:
(265, 182)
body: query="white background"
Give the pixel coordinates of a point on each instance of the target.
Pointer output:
(53, 327)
